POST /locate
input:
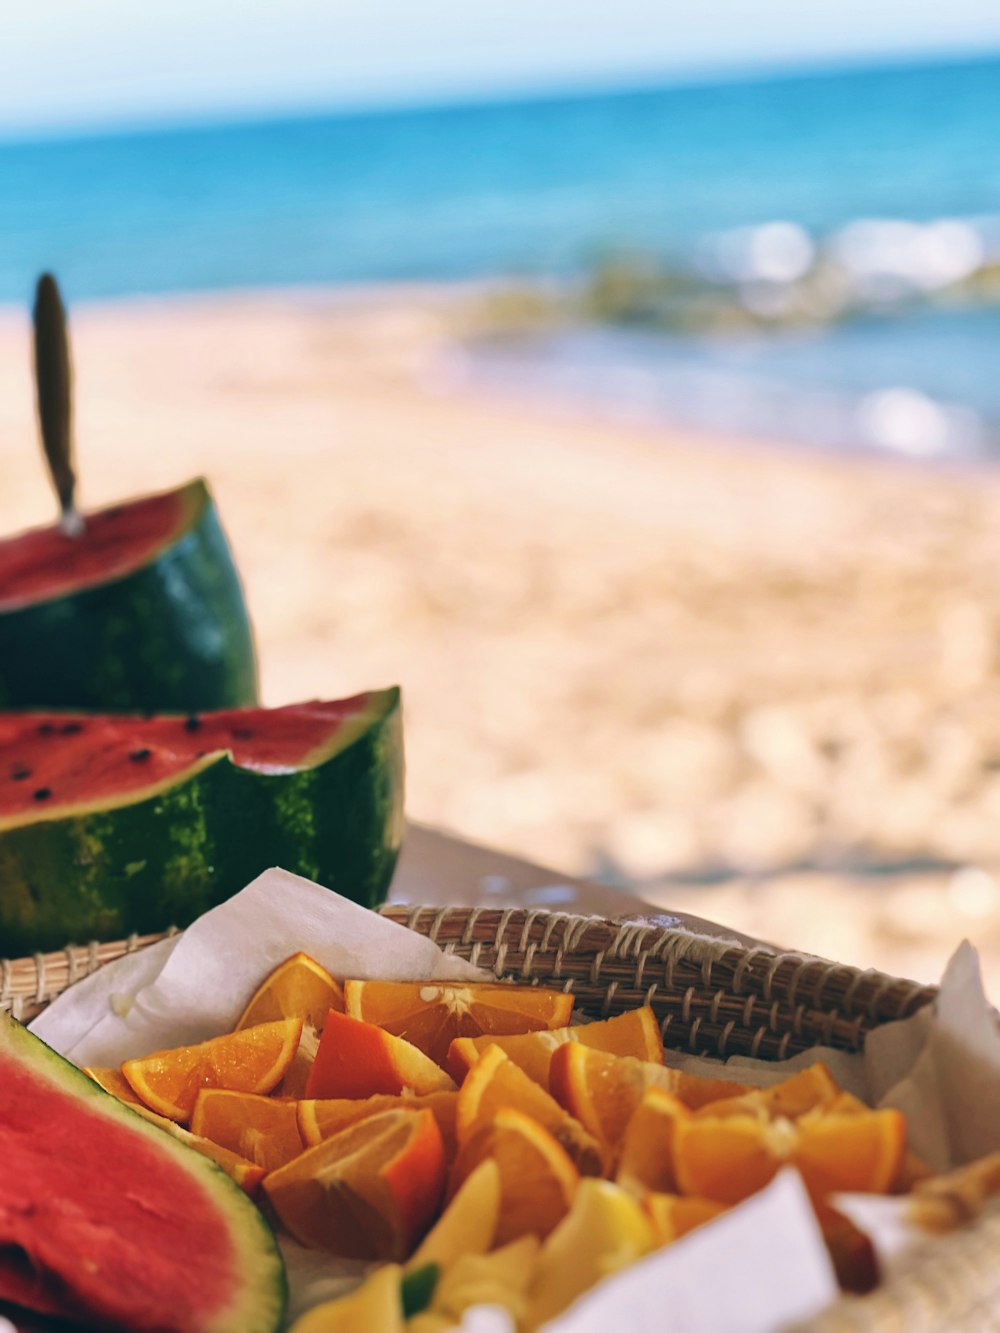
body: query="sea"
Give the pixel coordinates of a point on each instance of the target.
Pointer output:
(894, 171)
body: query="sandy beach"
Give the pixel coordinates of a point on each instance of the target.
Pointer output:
(754, 684)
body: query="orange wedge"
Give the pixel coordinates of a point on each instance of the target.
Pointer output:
(495, 1082)
(635, 1033)
(368, 1192)
(321, 1119)
(261, 1129)
(672, 1216)
(537, 1178)
(808, 1090)
(297, 988)
(734, 1156)
(357, 1059)
(253, 1060)
(603, 1091)
(432, 1015)
(646, 1161)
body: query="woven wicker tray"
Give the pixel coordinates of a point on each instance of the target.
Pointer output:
(710, 997)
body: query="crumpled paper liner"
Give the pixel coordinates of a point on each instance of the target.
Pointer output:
(761, 1266)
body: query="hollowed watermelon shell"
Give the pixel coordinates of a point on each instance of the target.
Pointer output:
(111, 824)
(107, 1220)
(143, 612)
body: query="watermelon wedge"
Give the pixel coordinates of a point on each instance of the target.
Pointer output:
(142, 612)
(112, 824)
(107, 1220)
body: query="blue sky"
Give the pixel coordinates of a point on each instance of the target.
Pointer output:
(66, 63)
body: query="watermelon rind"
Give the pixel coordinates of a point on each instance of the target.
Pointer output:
(257, 1303)
(163, 855)
(170, 636)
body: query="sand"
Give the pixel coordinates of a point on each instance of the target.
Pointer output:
(758, 684)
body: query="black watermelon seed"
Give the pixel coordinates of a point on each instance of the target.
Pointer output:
(46, 729)
(242, 734)
(19, 774)
(137, 756)
(70, 728)
(42, 794)
(192, 723)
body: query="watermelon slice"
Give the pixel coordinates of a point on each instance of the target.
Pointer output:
(144, 611)
(107, 1220)
(112, 824)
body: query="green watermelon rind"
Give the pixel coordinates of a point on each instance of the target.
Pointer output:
(172, 635)
(169, 853)
(263, 1291)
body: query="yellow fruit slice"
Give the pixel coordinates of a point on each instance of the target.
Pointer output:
(496, 1082)
(375, 1307)
(605, 1230)
(253, 1060)
(500, 1278)
(320, 1119)
(537, 1178)
(258, 1128)
(369, 1192)
(636, 1033)
(431, 1015)
(468, 1225)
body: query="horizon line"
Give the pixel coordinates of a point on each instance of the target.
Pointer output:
(565, 89)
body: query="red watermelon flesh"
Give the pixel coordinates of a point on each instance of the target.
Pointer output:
(107, 1220)
(50, 761)
(43, 563)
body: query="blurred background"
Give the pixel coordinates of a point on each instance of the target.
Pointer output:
(622, 382)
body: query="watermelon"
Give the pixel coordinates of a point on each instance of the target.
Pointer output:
(142, 612)
(107, 1220)
(112, 824)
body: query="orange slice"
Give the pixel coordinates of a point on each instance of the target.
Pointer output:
(734, 1156)
(635, 1033)
(368, 1192)
(537, 1178)
(672, 1216)
(431, 1015)
(253, 1060)
(297, 988)
(260, 1129)
(646, 1161)
(357, 1059)
(807, 1090)
(321, 1119)
(603, 1091)
(495, 1082)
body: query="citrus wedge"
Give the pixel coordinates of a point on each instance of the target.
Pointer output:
(729, 1159)
(320, 1119)
(260, 1129)
(357, 1059)
(672, 1216)
(635, 1033)
(495, 1082)
(297, 988)
(603, 1091)
(468, 1225)
(115, 1082)
(850, 1153)
(253, 1060)
(431, 1015)
(537, 1178)
(603, 1231)
(368, 1192)
(499, 1278)
(808, 1090)
(374, 1307)
(646, 1161)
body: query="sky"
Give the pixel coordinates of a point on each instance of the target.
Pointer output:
(71, 64)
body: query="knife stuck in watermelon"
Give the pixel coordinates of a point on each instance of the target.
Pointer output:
(136, 607)
(110, 1222)
(113, 824)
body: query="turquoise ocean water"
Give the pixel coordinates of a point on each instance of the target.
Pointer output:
(539, 187)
